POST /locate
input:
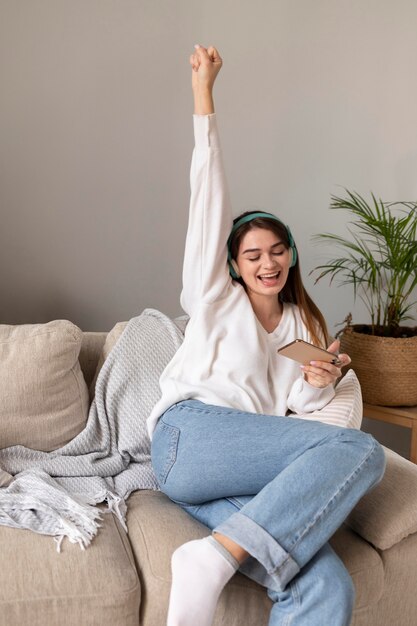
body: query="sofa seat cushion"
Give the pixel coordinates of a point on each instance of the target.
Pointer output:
(157, 527)
(40, 587)
(44, 398)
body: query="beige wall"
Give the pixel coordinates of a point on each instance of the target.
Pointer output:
(96, 138)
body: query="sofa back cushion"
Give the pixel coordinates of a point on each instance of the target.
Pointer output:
(44, 398)
(90, 352)
(110, 341)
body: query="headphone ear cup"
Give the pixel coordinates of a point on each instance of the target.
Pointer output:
(235, 269)
(293, 252)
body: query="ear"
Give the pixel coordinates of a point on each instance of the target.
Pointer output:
(235, 268)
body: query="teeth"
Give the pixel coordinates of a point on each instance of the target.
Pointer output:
(269, 275)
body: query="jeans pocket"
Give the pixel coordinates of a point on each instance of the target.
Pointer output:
(164, 450)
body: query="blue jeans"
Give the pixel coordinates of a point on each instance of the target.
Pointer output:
(278, 487)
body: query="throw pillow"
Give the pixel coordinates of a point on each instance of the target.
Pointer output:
(44, 398)
(345, 409)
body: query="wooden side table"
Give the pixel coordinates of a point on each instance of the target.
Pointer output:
(401, 416)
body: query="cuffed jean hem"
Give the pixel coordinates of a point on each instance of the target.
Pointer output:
(279, 566)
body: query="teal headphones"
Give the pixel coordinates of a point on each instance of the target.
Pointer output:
(233, 268)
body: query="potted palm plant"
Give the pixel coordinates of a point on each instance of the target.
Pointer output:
(379, 261)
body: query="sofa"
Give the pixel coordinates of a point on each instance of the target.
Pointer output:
(123, 578)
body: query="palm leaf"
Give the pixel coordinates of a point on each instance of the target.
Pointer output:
(380, 260)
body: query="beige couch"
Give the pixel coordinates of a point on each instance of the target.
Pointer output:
(124, 580)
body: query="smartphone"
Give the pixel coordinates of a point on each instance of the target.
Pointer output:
(304, 352)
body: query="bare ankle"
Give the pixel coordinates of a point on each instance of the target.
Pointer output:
(231, 546)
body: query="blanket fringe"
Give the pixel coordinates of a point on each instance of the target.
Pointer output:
(118, 507)
(111, 455)
(35, 501)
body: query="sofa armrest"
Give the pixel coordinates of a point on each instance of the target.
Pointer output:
(388, 513)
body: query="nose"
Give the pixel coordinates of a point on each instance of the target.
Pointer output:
(270, 262)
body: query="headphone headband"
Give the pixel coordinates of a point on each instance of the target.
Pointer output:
(249, 218)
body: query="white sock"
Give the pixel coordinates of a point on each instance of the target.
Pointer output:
(200, 570)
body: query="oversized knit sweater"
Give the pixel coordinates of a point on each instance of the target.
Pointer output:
(227, 357)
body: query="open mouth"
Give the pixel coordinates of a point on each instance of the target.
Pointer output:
(269, 279)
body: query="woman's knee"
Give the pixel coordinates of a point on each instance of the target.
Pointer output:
(374, 458)
(367, 453)
(378, 462)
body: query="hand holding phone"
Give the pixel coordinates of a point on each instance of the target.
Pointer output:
(305, 352)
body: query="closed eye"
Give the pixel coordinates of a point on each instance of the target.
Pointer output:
(256, 258)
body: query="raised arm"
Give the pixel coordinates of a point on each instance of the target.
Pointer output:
(205, 272)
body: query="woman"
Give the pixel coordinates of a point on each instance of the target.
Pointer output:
(273, 489)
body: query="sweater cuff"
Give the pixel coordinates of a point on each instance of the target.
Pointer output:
(206, 133)
(308, 398)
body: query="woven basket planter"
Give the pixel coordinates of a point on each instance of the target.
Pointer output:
(386, 367)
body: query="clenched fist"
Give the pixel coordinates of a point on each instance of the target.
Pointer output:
(206, 64)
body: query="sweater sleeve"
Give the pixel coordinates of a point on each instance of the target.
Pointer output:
(304, 398)
(205, 270)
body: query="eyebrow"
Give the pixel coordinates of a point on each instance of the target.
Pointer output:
(279, 243)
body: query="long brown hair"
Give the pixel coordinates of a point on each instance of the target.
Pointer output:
(293, 290)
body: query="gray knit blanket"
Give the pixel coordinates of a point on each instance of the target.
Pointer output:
(56, 493)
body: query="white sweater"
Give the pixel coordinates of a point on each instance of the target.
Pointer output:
(227, 358)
